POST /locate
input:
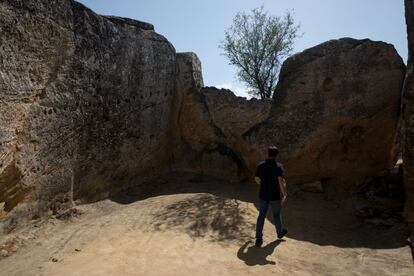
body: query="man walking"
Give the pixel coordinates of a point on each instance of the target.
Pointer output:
(269, 175)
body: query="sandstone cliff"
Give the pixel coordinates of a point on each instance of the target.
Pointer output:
(85, 104)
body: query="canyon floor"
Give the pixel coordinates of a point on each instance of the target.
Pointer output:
(185, 224)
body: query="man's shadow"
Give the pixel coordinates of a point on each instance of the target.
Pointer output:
(257, 255)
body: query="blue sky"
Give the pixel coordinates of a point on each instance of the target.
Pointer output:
(198, 26)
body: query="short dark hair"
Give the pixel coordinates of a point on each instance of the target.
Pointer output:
(273, 151)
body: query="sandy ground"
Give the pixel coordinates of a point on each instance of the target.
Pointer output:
(187, 225)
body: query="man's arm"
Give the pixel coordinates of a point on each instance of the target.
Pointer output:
(282, 185)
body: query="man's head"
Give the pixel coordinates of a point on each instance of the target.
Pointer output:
(272, 151)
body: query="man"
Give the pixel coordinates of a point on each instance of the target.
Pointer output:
(269, 175)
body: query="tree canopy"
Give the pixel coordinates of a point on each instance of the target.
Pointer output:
(256, 44)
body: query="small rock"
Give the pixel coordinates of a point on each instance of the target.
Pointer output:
(4, 253)
(314, 187)
(77, 250)
(68, 214)
(54, 260)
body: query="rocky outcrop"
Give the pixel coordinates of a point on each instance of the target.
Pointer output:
(212, 122)
(334, 115)
(85, 105)
(234, 115)
(408, 121)
(202, 146)
(335, 112)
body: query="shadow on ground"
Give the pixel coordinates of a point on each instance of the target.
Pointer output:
(253, 255)
(219, 219)
(220, 212)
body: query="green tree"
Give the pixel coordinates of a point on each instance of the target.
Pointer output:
(256, 44)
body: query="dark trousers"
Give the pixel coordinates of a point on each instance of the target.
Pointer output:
(276, 209)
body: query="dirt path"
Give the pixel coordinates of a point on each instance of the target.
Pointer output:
(187, 226)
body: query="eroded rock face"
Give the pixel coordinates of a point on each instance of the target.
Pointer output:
(408, 120)
(235, 115)
(334, 115)
(335, 112)
(202, 146)
(85, 104)
(37, 42)
(124, 83)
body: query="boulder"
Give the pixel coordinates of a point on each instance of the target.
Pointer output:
(335, 112)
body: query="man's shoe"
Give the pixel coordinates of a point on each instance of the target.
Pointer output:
(259, 242)
(282, 234)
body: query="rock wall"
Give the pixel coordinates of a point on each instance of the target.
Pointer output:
(408, 121)
(334, 115)
(335, 112)
(234, 115)
(37, 42)
(202, 146)
(85, 105)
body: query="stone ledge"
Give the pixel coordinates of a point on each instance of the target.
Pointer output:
(131, 22)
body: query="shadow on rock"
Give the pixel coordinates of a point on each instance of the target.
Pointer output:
(184, 183)
(253, 255)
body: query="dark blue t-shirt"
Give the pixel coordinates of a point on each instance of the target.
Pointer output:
(269, 171)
